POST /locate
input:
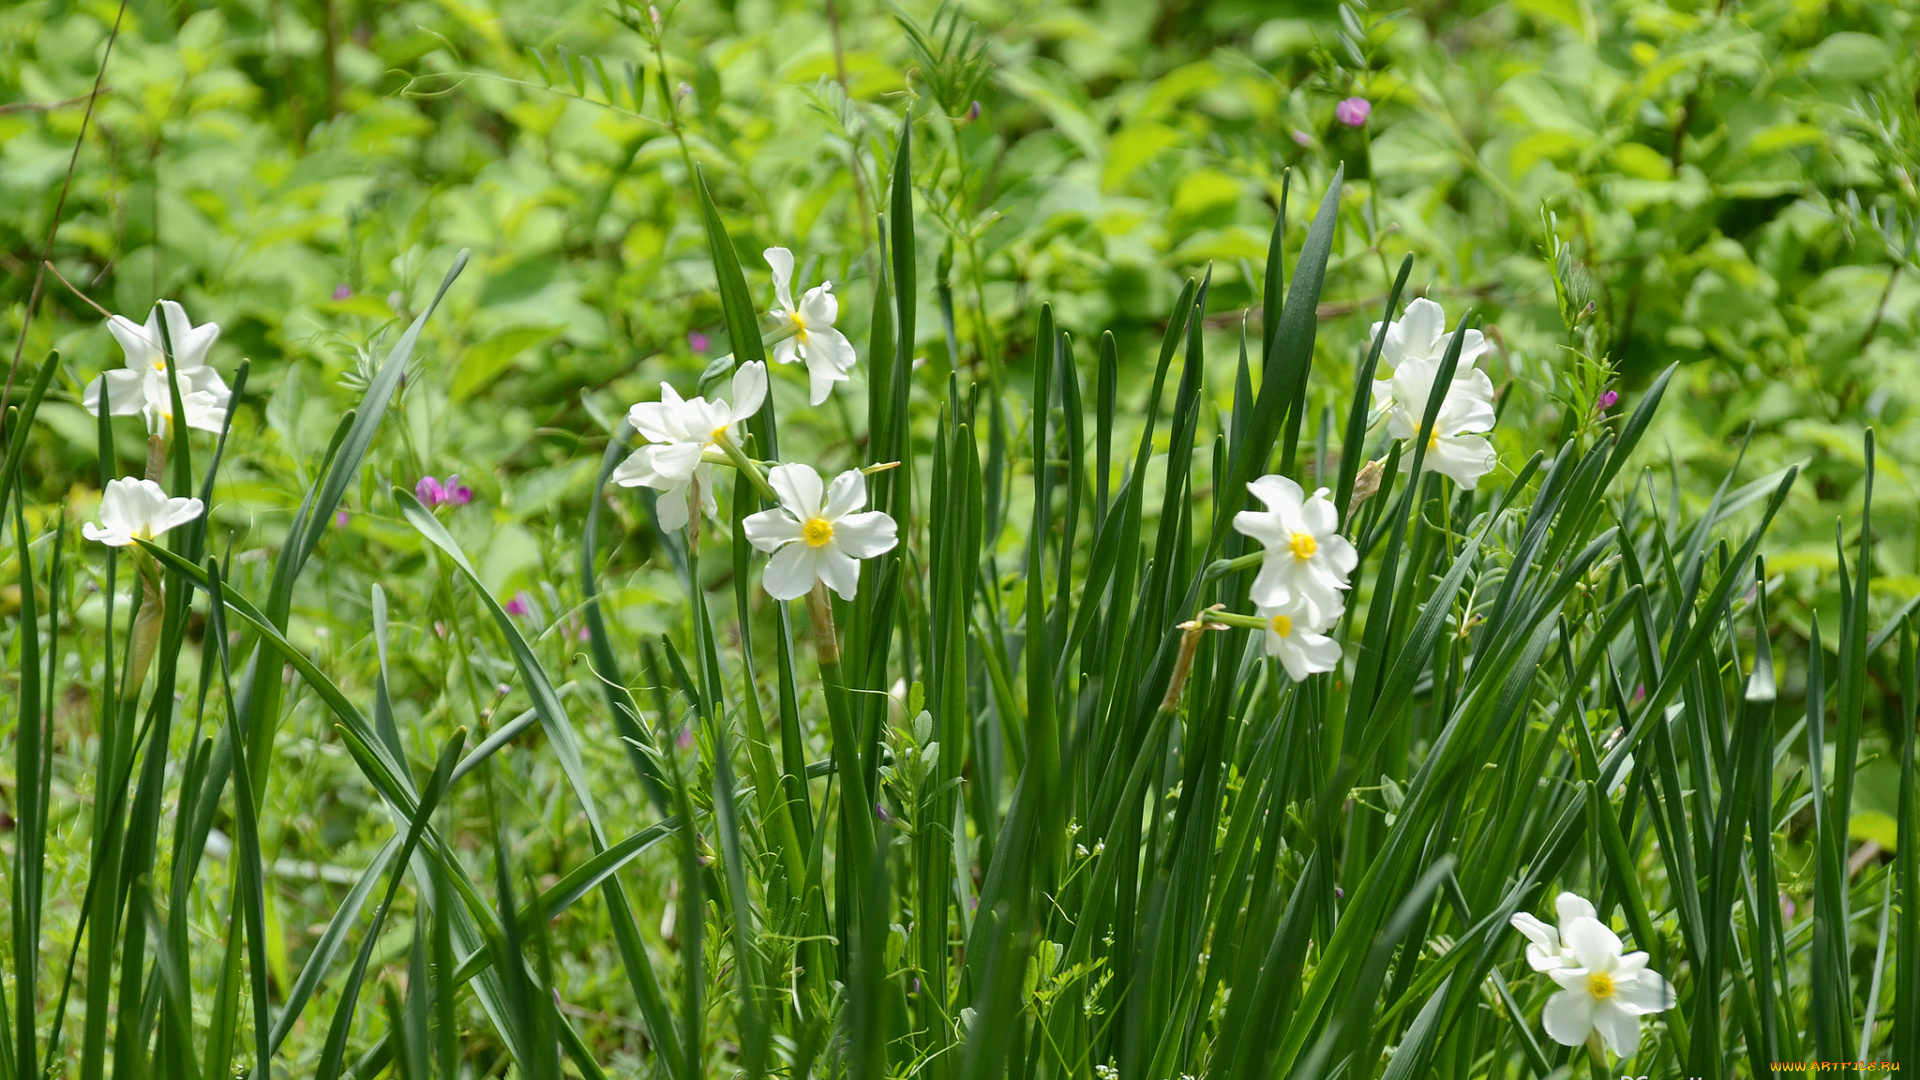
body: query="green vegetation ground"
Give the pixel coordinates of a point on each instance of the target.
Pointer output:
(1709, 206)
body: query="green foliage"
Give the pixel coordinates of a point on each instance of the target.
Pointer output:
(357, 785)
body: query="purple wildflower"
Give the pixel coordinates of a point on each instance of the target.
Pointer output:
(340, 519)
(973, 113)
(1608, 400)
(881, 812)
(685, 739)
(521, 603)
(342, 291)
(429, 492)
(1353, 112)
(1301, 137)
(458, 493)
(698, 341)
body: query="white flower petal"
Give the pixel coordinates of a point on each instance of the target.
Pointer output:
(1568, 1017)
(1464, 459)
(837, 569)
(1262, 525)
(109, 537)
(656, 421)
(126, 392)
(1278, 493)
(791, 572)
(769, 530)
(190, 343)
(670, 509)
(1644, 992)
(1423, 328)
(847, 493)
(181, 511)
(1543, 941)
(676, 461)
(799, 489)
(637, 470)
(781, 262)
(749, 390)
(865, 535)
(1592, 944)
(819, 308)
(787, 351)
(141, 344)
(1570, 906)
(1618, 1028)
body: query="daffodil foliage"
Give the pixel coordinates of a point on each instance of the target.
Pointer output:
(919, 661)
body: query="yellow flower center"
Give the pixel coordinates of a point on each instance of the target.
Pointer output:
(817, 532)
(799, 326)
(1433, 441)
(1303, 545)
(1600, 985)
(1282, 625)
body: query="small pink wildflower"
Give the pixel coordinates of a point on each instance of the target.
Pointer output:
(1608, 400)
(1353, 112)
(340, 519)
(521, 604)
(429, 491)
(458, 493)
(342, 291)
(698, 341)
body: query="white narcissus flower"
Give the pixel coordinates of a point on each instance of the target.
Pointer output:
(1306, 557)
(1415, 346)
(679, 432)
(809, 326)
(140, 388)
(815, 534)
(1603, 990)
(1545, 951)
(1293, 633)
(135, 509)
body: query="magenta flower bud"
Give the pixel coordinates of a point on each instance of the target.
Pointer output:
(342, 291)
(973, 112)
(429, 492)
(457, 493)
(1353, 112)
(1301, 137)
(685, 738)
(340, 519)
(521, 604)
(698, 341)
(1608, 400)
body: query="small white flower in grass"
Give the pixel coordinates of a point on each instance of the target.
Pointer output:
(135, 509)
(809, 328)
(141, 388)
(1306, 557)
(1415, 346)
(817, 535)
(1603, 990)
(1293, 633)
(679, 432)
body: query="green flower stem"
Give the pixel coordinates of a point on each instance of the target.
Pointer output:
(747, 467)
(856, 807)
(1228, 618)
(145, 637)
(1222, 567)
